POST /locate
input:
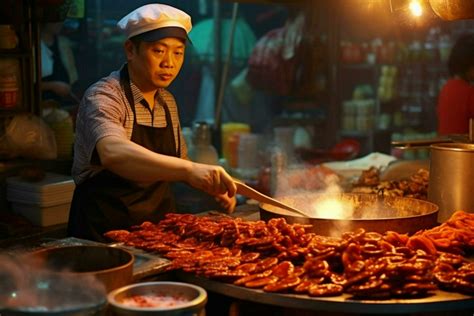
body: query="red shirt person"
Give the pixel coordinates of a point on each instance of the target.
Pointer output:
(456, 99)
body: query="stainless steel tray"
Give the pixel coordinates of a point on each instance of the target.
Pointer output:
(440, 301)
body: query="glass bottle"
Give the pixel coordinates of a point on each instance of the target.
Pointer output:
(202, 150)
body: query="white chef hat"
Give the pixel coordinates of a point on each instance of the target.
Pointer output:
(153, 22)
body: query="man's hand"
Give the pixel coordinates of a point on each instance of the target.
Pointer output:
(227, 203)
(211, 179)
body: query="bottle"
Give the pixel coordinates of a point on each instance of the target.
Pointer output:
(202, 150)
(9, 87)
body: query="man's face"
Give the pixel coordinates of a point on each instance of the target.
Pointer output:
(156, 64)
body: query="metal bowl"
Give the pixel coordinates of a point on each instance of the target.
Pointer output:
(26, 290)
(113, 267)
(196, 296)
(371, 212)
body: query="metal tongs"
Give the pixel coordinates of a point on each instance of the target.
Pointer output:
(250, 192)
(425, 143)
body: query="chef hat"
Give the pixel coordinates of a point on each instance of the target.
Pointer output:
(153, 22)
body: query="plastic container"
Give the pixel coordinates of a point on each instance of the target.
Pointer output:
(44, 203)
(228, 129)
(248, 156)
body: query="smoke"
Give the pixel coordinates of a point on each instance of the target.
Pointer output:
(25, 285)
(329, 203)
(320, 194)
(315, 191)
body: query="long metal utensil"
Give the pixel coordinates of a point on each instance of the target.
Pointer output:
(425, 143)
(250, 192)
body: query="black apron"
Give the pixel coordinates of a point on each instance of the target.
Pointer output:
(107, 201)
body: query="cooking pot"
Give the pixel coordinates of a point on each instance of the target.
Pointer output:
(29, 290)
(369, 211)
(451, 184)
(451, 180)
(111, 266)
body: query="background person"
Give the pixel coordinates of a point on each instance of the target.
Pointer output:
(58, 66)
(456, 99)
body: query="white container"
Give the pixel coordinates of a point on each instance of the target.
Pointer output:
(45, 202)
(248, 151)
(41, 215)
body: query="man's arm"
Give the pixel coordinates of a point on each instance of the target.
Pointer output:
(60, 88)
(136, 163)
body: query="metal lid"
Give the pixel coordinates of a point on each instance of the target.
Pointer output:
(460, 147)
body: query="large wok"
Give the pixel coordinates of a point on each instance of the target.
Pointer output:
(371, 212)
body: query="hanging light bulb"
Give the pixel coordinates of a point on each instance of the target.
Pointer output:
(415, 8)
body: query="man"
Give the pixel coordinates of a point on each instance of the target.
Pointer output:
(456, 98)
(129, 144)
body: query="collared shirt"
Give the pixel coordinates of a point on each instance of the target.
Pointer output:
(105, 111)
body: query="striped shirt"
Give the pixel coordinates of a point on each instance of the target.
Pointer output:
(105, 111)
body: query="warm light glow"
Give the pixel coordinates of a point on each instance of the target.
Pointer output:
(332, 208)
(415, 8)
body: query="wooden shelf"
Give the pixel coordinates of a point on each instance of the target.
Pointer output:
(360, 66)
(14, 53)
(356, 133)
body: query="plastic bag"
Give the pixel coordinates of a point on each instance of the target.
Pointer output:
(28, 136)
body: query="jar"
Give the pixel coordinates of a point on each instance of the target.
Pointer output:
(9, 70)
(348, 122)
(8, 38)
(444, 48)
(248, 151)
(364, 123)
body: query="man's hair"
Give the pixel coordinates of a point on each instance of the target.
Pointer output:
(461, 58)
(135, 41)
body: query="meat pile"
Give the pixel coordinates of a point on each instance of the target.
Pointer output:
(415, 187)
(279, 257)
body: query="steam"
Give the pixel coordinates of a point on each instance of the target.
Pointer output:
(26, 286)
(329, 204)
(318, 194)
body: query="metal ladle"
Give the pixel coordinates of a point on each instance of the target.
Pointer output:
(425, 143)
(250, 192)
